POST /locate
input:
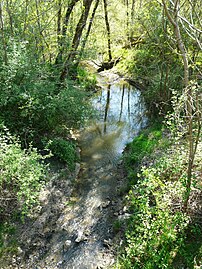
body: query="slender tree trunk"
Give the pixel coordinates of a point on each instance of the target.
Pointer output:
(132, 19)
(61, 39)
(77, 38)
(127, 20)
(40, 46)
(2, 34)
(59, 19)
(10, 15)
(25, 20)
(108, 30)
(89, 27)
(188, 91)
(79, 29)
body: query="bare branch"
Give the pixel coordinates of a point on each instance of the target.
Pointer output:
(168, 14)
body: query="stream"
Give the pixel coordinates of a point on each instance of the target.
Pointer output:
(75, 229)
(120, 116)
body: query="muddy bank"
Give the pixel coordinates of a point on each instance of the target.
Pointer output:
(75, 225)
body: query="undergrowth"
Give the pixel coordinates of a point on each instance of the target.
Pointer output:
(65, 151)
(159, 234)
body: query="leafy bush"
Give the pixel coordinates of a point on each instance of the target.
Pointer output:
(21, 176)
(68, 107)
(65, 151)
(155, 232)
(159, 234)
(87, 80)
(8, 242)
(143, 144)
(31, 103)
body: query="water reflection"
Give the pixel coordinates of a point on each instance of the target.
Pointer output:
(121, 115)
(106, 108)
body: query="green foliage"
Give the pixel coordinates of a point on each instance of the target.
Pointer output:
(143, 144)
(8, 243)
(176, 120)
(191, 252)
(65, 150)
(21, 178)
(155, 232)
(31, 104)
(158, 73)
(159, 234)
(68, 107)
(87, 80)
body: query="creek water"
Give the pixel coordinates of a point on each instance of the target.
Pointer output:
(120, 116)
(75, 229)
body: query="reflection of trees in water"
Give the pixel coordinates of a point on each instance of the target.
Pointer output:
(129, 103)
(122, 96)
(107, 108)
(121, 117)
(121, 104)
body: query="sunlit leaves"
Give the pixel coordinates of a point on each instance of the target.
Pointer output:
(21, 176)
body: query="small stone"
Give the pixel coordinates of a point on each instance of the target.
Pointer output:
(20, 251)
(77, 169)
(80, 237)
(105, 204)
(107, 243)
(125, 216)
(67, 243)
(59, 263)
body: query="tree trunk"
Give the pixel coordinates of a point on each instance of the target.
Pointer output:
(40, 46)
(77, 38)
(61, 39)
(89, 27)
(9, 15)
(108, 30)
(127, 20)
(132, 19)
(25, 20)
(2, 34)
(59, 19)
(188, 91)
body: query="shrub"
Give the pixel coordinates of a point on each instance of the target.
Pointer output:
(155, 232)
(65, 150)
(87, 80)
(142, 145)
(31, 103)
(21, 176)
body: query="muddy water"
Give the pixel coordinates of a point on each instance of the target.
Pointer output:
(75, 229)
